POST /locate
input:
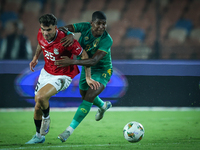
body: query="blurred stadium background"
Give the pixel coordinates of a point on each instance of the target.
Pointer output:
(141, 29)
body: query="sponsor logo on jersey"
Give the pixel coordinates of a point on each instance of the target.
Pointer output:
(78, 48)
(96, 42)
(87, 48)
(56, 51)
(42, 46)
(86, 38)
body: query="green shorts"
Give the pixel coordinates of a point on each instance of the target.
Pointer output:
(102, 77)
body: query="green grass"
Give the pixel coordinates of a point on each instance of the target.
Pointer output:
(164, 130)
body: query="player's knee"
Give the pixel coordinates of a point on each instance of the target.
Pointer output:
(37, 108)
(39, 98)
(90, 97)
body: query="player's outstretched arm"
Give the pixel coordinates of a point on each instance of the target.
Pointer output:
(34, 61)
(66, 61)
(67, 28)
(70, 27)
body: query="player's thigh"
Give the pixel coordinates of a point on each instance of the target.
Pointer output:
(83, 86)
(46, 92)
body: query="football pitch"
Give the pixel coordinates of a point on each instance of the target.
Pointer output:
(164, 130)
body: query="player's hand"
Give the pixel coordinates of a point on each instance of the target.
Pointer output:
(92, 83)
(68, 40)
(63, 62)
(32, 64)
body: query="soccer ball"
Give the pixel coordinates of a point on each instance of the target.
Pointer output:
(133, 132)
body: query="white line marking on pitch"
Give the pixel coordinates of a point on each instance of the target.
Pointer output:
(112, 109)
(98, 145)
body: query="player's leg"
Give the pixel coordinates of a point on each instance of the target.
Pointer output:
(98, 102)
(103, 106)
(41, 113)
(59, 83)
(37, 138)
(81, 112)
(102, 78)
(42, 99)
(48, 85)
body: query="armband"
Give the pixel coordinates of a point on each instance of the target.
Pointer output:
(68, 32)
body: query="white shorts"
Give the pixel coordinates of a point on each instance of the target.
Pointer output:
(60, 82)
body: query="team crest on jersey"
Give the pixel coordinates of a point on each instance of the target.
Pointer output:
(96, 42)
(86, 38)
(56, 51)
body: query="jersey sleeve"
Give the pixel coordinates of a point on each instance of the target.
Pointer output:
(38, 35)
(80, 27)
(75, 48)
(105, 44)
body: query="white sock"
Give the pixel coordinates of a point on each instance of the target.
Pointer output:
(38, 135)
(70, 129)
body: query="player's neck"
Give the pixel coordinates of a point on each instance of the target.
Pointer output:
(95, 35)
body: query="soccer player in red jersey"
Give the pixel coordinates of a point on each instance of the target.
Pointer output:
(53, 79)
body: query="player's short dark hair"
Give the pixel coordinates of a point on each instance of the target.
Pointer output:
(48, 19)
(98, 15)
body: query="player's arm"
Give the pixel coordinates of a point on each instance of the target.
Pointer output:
(91, 61)
(34, 61)
(66, 61)
(68, 27)
(69, 39)
(92, 83)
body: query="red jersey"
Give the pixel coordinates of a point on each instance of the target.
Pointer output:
(54, 50)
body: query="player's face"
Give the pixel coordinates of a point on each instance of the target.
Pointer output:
(48, 32)
(98, 27)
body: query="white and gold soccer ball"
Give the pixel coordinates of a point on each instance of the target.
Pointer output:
(133, 131)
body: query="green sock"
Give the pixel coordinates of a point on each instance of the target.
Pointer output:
(81, 112)
(98, 102)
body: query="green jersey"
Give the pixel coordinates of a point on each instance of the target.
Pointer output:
(91, 44)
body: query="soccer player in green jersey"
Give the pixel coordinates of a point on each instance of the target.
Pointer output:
(97, 43)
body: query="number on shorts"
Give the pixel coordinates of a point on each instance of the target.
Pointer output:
(37, 86)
